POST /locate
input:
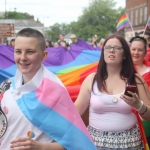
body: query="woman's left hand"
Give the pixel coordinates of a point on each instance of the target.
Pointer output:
(133, 101)
(25, 144)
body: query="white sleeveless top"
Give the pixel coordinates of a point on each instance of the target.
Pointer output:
(107, 115)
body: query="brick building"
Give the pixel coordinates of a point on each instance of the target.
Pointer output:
(138, 12)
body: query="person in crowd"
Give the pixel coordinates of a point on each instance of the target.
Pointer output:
(40, 114)
(138, 49)
(5, 42)
(56, 44)
(93, 41)
(112, 124)
(147, 57)
(62, 41)
(101, 42)
(12, 42)
(64, 44)
(48, 44)
(73, 39)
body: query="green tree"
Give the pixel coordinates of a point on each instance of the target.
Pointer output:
(99, 18)
(54, 32)
(17, 15)
(56, 29)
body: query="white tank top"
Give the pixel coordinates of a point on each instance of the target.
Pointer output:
(107, 115)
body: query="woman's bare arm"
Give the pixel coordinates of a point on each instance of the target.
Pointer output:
(83, 100)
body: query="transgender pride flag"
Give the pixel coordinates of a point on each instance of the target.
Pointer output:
(59, 118)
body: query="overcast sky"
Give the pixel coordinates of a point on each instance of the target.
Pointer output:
(50, 11)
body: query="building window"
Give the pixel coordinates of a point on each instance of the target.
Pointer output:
(132, 17)
(145, 13)
(141, 14)
(136, 17)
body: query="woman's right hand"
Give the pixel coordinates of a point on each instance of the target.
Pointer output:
(133, 101)
(25, 143)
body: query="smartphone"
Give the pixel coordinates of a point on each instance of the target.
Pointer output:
(131, 88)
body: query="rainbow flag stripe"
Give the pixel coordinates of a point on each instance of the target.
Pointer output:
(148, 21)
(146, 146)
(123, 22)
(60, 61)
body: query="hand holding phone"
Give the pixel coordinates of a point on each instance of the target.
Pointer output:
(131, 88)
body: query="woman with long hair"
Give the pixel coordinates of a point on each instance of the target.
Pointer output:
(112, 124)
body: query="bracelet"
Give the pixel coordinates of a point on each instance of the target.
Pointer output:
(140, 106)
(144, 111)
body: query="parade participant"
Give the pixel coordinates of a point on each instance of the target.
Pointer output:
(48, 43)
(93, 41)
(73, 39)
(112, 124)
(101, 42)
(138, 49)
(62, 41)
(56, 44)
(12, 42)
(40, 114)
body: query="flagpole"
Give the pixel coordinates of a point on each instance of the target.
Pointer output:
(145, 27)
(130, 24)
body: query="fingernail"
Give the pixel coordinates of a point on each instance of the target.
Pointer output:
(129, 92)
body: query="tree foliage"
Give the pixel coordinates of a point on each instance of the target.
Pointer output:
(99, 18)
(57, 28)
(17, 15)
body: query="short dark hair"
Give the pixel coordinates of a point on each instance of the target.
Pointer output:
(12, 40)
(141, 39)
(127, 70)
(50, 43)
(62, 34)
(29, 32)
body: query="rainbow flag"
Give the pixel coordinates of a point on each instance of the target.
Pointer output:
(123, 22)
(71, 66)
(148, 23)
(146, 123)
(60, 60)
(145, 143)
(59, 118)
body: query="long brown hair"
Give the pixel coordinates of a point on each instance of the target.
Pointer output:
(127, 70)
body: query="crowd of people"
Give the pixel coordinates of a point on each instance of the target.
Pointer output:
(117, 96)
(74, 40)
(64, 43)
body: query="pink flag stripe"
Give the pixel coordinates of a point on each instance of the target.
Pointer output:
(61, 97)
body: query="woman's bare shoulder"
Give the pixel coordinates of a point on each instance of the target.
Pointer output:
(90, 77)
(87, 83)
